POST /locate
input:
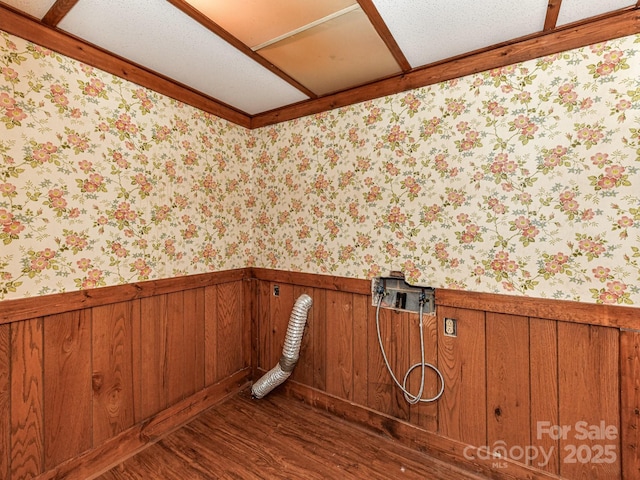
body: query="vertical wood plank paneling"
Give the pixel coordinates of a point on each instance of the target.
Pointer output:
(361, 308)
(249, 322)
(280, 312)
(67, 386)
(340, 349)
(588, 367)
(194, 340)
(383, 393)
(264, 325)
(424, 414)
(175, 371)
(462, 411)
(27, 392)
(380, 389)
(153, 328)
(5, 403)
(630, 403)
(211, 334)
(543, 353)
(230, 329)
(136, 354)
(398, 355)
(319, 339)
(508, 389)
(112, 379)
(303, 371)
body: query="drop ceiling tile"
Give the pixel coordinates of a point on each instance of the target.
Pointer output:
(341, 53)
(154, 34)
(430, 31)
(575, 10)
(36, 8)
(254, 22)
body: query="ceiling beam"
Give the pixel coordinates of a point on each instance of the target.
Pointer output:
(378, 23)
(553, 9)
(209, 24)
(621, 24)
(58, 11)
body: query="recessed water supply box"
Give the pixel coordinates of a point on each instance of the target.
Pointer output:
(400, 295)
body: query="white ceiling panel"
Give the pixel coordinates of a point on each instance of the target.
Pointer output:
(429, 31)
(36, 8)
(162, 38)
(575, 10)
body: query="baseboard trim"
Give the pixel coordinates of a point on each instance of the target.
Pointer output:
(131, 441)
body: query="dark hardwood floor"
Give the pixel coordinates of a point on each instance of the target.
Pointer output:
(278, 437)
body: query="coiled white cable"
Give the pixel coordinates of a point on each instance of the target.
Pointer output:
(408, 396)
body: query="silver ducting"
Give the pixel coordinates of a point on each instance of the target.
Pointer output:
(290, 350)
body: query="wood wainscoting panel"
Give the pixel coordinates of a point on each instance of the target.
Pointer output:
(543, 353)
(383, 395)
(361, 322)
(112, 378)
(231, 329)
(304, 368)
(462, 410)
(173, 365)
(516, 368)
(67, 386)
(339, 314)
(211, 334)
(589, 401)
(151, 357)
(281, 302)
(27, 399)
(194, 340)
(121, 366)
(5, 399)
(424, 414)
(630, 403)
(508, 389)
(319, 338)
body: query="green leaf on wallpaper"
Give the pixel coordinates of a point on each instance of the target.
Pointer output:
(36, 87)
(634, 94)
(13, 172)
(33, 196)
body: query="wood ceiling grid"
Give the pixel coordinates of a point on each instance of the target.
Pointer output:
(553, 9)
(549, 41)
(58, 11)
(381, 27)
(244, 48)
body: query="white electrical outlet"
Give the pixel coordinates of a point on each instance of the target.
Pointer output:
(450, 327)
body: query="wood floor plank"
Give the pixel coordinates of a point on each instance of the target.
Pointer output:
(278, 437)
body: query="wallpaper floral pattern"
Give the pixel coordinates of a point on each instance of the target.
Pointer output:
(103, 182)
(522, 180)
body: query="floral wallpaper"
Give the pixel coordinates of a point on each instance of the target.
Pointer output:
(522, 180)
(103, 182)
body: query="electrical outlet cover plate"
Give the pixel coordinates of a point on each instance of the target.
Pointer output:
(450, 327)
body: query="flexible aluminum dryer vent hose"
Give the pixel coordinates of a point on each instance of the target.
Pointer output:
(290, 350)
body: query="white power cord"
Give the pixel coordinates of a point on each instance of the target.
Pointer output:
(408, 396)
